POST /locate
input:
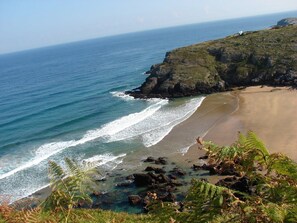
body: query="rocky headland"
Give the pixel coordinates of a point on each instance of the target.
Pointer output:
(287, 22)
(266, 57)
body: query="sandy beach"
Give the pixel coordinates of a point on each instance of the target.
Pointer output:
(270, 112)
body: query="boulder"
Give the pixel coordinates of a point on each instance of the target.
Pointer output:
(242, 184)
(168, 197)
(142, 179)
(178, 171)
(149, 159)
(155, 169)
(134, 199)
(161, 160)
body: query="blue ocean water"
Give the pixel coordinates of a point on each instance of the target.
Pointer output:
(68, 100)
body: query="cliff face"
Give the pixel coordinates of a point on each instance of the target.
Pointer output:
(254, 58)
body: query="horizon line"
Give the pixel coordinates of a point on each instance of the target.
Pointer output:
(138, 31)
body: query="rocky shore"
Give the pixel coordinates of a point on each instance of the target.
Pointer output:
(266, 57)
(160, 180)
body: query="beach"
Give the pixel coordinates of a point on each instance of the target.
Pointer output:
(269, 112)
(219, 119)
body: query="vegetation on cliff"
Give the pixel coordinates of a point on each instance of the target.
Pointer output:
(266, 57)
(260, 187)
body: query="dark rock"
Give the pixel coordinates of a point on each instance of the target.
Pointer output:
(211, 168)
(173, 177)
(176, 183)
(169, 197)
(161, 160)
(146, 200)
(242, 184)
(159, 170)
(226, 169)
(203, 157)
(141, 179)
(155, 169)
(130, 177)
(149, 168)
(161, 178)
(134, 199)
(149, 159)
(178, 171)
(196, 167)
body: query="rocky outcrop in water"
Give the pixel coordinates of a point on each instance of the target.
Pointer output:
(267, 57)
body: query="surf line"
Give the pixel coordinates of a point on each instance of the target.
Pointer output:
(47, 150)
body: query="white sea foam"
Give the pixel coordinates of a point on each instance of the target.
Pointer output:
(122, 95)
(126, 97)
(49, 149)
(156, 126)
(123, 123)
(107, 161)
(99, 160)
(184, 150)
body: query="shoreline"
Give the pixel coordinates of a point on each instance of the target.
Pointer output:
(219, 118)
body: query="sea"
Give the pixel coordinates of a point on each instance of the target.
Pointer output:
(68, 100)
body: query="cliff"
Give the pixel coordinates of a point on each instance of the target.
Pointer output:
(266, 57)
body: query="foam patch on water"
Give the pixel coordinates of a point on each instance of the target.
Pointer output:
(49, 149)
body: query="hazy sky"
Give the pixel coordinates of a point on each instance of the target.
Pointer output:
(26, 24)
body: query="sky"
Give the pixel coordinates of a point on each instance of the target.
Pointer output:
(26, 24)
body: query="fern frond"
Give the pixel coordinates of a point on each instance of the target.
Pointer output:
(72, 166)
(283, 165)
(56, 172)
(229, 153)
(29, 216)
(254, 142)
(207, 190)
(241, 139)
(70, 187)
(275, 212)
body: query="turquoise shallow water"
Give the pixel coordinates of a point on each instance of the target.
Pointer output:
(68, 100)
